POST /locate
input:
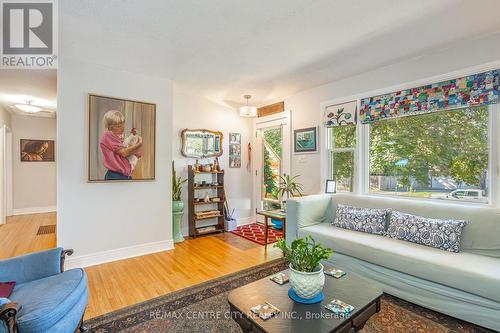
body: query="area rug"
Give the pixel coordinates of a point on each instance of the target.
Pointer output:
(255, 232)
(204, 308)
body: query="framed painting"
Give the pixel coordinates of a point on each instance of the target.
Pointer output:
(306, 140)
(122, 140)
(37, 150)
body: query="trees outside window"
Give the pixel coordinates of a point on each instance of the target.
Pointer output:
(431, 155)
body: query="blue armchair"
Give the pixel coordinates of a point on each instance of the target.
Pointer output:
(45, 298)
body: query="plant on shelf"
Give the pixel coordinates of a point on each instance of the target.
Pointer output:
(289, 186)
(306, 272)
(177, 205)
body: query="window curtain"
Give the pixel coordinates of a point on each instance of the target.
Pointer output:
(473, 90)
(340, 114)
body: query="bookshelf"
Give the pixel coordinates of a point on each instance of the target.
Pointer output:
(201, 212)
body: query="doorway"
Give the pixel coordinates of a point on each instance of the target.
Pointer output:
(271, 159)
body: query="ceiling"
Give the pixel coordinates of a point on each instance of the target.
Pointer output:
(223, 49)
(271, 49)
(38, 86)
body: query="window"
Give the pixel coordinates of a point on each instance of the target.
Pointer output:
(342, 142)
(439, 155)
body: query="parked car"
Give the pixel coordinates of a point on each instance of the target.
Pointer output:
(467, 194)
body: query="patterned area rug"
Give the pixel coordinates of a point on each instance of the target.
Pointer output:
(255, 233)
(204, 308)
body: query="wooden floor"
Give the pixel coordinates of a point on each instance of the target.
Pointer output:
(18, 236)
(121, 283)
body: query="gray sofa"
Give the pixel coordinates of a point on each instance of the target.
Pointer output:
(464, 285)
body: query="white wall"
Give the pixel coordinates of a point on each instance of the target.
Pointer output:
(194, 111)
(109, 221)
(5, 117)
(305, 106)
(34, 183)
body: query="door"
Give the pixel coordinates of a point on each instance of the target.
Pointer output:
(271, 159)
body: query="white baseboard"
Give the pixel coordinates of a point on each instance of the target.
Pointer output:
(117, 254)
(245, 220)
(33, 210)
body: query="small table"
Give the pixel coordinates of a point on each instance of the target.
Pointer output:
(275, 214)
(296, 317)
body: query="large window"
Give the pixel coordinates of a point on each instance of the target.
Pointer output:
(442, 155)
(439, 155)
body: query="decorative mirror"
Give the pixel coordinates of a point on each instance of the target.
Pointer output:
(201, 143)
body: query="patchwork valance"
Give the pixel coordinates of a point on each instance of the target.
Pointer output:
(473, 90)
(340, 114)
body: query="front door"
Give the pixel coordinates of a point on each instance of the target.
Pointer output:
(271, 159)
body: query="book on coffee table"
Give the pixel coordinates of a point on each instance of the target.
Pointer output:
(265, 310)
(280, 278)
(336, 273)
(339, 308)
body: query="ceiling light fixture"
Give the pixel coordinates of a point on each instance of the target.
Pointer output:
(247, 110)
(28, 108)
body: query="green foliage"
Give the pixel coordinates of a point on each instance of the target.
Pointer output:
(343, 161)
(289, 186)
(177, 183)
(447, 143)
(272, 137)
(304, 254)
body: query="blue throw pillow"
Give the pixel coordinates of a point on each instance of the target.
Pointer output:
(368, 220)
(4, 300)
(441, 234)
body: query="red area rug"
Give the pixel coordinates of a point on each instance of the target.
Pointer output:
(256, 233)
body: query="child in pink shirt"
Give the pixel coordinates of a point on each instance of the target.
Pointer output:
(114, 151)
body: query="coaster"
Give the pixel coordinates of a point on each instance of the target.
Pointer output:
(296, 298)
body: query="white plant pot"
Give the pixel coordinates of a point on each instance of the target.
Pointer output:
(307, 284)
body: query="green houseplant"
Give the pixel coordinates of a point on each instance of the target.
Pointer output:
(306, 272)
(289, 186)
(177, 205)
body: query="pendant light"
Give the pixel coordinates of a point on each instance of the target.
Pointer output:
(247, 110)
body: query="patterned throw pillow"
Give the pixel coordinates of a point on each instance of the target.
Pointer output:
(441, 234)
(361, 219)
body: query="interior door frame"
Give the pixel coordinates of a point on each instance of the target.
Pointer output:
(279, 119)
(5, 173)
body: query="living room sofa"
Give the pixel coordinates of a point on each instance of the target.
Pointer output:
(465, 285)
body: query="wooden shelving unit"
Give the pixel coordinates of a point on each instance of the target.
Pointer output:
(217, 191)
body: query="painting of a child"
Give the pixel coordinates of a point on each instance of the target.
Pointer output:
(121, 139)
(118, 157)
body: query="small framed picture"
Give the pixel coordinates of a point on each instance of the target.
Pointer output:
(306, 140)
(234, 138)
(37, 150)
(331, 186)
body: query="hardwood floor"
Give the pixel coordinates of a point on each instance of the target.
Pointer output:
(125, 282)
(18, 236)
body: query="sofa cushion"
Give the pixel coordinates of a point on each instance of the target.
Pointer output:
(480, 236)
(476, 274)
(44, 302)
(368, 220)
(441, 234)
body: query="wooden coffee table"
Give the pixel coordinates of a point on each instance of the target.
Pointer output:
(296, 317)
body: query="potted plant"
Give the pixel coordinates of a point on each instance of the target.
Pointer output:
(177, 205)
(306, 272)
(290, 187)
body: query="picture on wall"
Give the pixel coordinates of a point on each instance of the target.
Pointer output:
(37, 150)
(234, 138)
(122, 136)
(306, 140)
(234, 150)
